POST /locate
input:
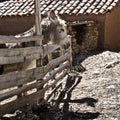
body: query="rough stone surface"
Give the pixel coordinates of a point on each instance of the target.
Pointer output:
(100, 83)
(89, 39)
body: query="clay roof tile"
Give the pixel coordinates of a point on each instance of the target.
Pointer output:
(26, 7)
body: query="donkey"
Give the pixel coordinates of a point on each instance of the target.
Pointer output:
(55, 31)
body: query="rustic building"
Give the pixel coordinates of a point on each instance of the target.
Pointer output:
(93, 23)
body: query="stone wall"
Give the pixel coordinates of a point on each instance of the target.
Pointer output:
(87, 41)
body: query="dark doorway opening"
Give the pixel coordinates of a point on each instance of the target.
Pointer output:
(79, 33)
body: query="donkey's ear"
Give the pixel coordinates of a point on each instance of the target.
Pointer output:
(53, 17)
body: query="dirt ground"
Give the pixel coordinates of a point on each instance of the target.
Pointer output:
(93, 95)
(99, 89)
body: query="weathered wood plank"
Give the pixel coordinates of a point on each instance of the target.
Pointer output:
(19, 103)
(53, 92)
(17, 78)
(13, 39)
(19, 59)
(22, 77)
(55, 62)
(38, 28)
(17, 91)
(63, 74)
(28, 50)
(54, 72)
(17, 55)
(10, 60)
(19, 51)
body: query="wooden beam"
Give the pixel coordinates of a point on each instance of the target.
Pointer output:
(56, 62)
(53, 92)
(20, 103)
(38, 28)
(28, 50)
(81, 23)
(12, 39)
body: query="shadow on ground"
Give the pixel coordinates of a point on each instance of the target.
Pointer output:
(82, 56)
(71, 84)
(47, 112)
(78, 58)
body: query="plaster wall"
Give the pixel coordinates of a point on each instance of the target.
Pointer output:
(15, 24)
(112, 30)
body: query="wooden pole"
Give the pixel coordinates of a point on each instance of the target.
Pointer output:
(38, 28)
(38, 31)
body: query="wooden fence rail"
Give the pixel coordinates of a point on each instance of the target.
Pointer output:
(33, 79)
(13, 39)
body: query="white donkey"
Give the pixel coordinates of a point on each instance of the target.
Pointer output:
(55, 31)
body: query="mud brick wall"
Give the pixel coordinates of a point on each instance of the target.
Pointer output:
(89, 40)
(15, 24)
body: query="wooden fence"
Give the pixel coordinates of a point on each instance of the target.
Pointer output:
(33, 81)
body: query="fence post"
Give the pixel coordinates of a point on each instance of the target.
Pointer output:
(38, 31)
(38, 28)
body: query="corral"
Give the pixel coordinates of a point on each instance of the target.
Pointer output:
(24, 78)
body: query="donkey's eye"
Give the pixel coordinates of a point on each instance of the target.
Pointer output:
(62, 30)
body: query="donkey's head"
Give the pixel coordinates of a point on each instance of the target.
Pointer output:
(54, 29)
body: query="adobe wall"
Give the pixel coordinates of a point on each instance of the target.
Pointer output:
(15, 25)
(112, 30)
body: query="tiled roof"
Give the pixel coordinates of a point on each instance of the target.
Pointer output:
(26, 7)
